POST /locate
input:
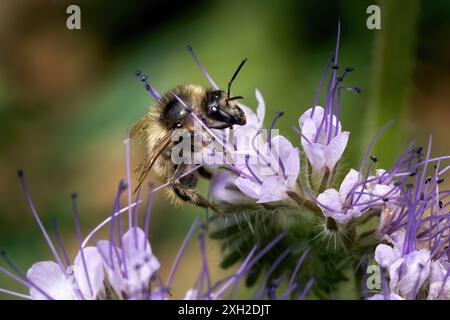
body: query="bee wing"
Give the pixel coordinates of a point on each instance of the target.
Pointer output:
(138, 130)
(151, 157)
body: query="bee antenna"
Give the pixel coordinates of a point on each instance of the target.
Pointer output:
(234, 77)
(234, 98)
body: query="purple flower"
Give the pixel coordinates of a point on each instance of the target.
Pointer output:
(130, 267)
(382, 191)
(224, 191)
(347, 203)
(407, 271)
(126, 268)
(271, 172)
(439, 288)
(322, 140)
(74, 283)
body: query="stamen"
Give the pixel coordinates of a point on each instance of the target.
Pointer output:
(338, 39)
(120, 234)
(320, 87)
(278, 115)
(127, 164)
(202, 68)
(234, 279)
(306, 289)
(263, 282)
(26, 282)
(204, 270)
(60, 242)
(118, 213)
(148, 86)
(183, 247)
(16, 294)
(148, 213)
(369, 148)
(112, 242)
(297, 267)
(330, 104)
(250, 170)
(79, 239)
(38, 220)
(135, 215)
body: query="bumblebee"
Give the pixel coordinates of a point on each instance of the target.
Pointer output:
(216, 108)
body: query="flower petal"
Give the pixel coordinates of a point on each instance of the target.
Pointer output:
(223, 189)
(261, 109)
(330, 202)
(48, 276)
(315, 154)
(284, 151)
(248, 187)
(309, 131)
(350, 180)
(415, 268)
(273, 189)
(95, 274)
(335, 149)
(316, 118)
(385, 255)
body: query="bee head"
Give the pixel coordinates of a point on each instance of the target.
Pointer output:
(222, 112)
(222, 109)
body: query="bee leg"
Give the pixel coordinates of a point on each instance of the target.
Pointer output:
(184, 187)
(193, 197)
(205, 173)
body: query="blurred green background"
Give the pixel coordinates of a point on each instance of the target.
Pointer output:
(68, 97)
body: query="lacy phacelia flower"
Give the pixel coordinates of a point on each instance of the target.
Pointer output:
(322, 140)
(271, 172)
(131, 266)
(224, 191)
(127, 268)
(418, 232)
(439, 288)
(381, 189)
(347, 203)
(82, 280)
(407, 271)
